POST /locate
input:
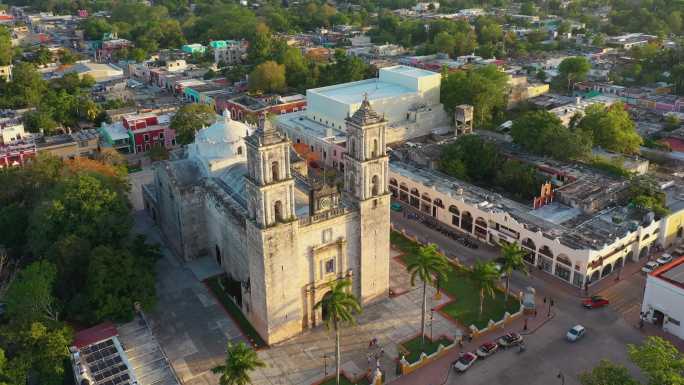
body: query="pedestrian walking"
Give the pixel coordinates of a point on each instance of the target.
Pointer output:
(460, 342)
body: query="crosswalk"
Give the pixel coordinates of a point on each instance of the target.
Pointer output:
(625, 297)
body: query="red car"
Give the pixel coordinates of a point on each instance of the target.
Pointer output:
(595, 302)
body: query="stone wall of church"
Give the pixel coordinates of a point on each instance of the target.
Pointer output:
(179, 217)
(226, 238)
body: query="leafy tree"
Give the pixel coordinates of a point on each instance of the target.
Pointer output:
(612, 128)
(37, 352)
(471, 158)
(40, 120)
(297, 72)
(117, 279)
(29, 298)
(6, 51)
(520, 179)
(240, 360)
(190, 118)
(445, 43)
(260, 45)
(672, 123)
(26, 88)
(485, 88)
(543, 133)
(268, 77)
(607, 373)
(66, 56)
(84, 206)
(428, 266)
(512, 260)
(339, 305)
(645, 194)
(662, 362)
(95, 27)
(573, 70)
(484, 276)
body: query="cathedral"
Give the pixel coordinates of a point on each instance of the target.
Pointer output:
(280, 237)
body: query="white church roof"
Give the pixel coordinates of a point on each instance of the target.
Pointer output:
(220, 144)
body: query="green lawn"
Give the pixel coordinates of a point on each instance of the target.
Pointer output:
(235, 312)
(414, 348)
(466, 304)
(345, 381)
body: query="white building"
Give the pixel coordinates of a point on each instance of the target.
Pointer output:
(566, 240)
(664, 298)
(407, 97)
(427, 6)
(11, 130)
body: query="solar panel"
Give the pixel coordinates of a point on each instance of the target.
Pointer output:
(105, 364)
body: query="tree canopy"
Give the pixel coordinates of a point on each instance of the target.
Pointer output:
(485, 88)
(542, 133)
(611, 128)
(190, 118)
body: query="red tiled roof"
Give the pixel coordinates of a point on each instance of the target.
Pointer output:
(667, 267)
(676, 144)
(95, 334)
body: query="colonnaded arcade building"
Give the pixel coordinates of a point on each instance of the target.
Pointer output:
(279, 237)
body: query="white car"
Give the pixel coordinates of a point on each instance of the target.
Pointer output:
(464, 362)
(575, 333)
(665, 258)
(650, 266)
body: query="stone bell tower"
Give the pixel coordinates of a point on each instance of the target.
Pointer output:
(272, 236)
(270, 184)
(366, 177)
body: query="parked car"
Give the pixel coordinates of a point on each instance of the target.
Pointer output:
(594, 302)
(650, 266)
(575, 333)
(396, 207)
(487, 349)
(464, 362)
(665, 258)
(510, 339)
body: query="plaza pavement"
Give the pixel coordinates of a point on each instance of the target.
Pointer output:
(193, 328)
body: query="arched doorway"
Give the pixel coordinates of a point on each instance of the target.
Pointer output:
(606, 270)
(644, 252)
(467, 222)
(375, 183)
(530, 250)
(324, 310)
(679, 232)
(219, 260)
(481, 227)
(275, 171)
(619, 263)
(278, 211)
(595, 276)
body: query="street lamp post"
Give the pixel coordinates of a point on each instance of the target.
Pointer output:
(562, 377)
(432, 314)
(550, 306)
(325, 365)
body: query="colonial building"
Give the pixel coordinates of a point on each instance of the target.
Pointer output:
(280, 237)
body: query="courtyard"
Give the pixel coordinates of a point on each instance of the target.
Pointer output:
(465, 304)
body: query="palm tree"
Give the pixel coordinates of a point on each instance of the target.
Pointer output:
(484, 276)
(512, 259)
(428, 265)
(240, 360)
(339, 305)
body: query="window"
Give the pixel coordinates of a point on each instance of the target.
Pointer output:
(330, 266)
(146, 137)
(239, 150)
(326, 235)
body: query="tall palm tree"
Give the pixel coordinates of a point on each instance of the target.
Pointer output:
(484, 276)
(339, 306)
(512, 259)
(240, 360)
(428, 265)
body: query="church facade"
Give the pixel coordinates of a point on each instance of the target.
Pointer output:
(280, 238)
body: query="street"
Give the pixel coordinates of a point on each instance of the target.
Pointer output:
(547, 353)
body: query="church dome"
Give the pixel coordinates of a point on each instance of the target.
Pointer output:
(221, 143)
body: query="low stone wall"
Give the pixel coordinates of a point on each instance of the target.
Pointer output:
(407, 367)
(498, 324)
